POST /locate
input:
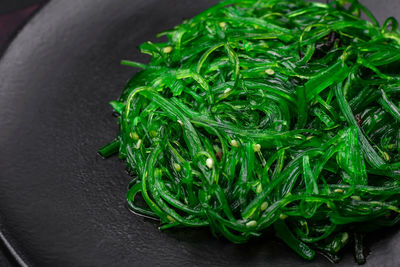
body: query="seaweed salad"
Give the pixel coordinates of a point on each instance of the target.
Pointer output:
(268, 114)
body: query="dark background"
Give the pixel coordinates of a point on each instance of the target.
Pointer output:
(13, 15)
(7, 6)
(12, 10)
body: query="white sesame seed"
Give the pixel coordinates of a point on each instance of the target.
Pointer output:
(386, 156)
(264, 206)
(210, 163)
(259, 188)
(222, 24)
(234, 143)
(139, 143)
(270, 71)
(227, 90)
(167, 49)
(177, 167)
(134, 136)
(251, 224)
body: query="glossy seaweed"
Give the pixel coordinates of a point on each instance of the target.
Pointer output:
(269, 113)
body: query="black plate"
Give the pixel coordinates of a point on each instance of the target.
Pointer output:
(60, 203)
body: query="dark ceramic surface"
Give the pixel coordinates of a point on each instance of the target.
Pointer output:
(60, 203)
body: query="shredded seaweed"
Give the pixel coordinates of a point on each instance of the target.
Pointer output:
(268, 113)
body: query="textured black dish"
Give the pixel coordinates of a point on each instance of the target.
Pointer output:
(60, 203)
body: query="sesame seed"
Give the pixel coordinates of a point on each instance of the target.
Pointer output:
(170, 218)
(139, 144)
(210, 163)
(259, 188)
(270, 71)
(167, 49)
(251, 224)
(222, 24)
(234, 143)
(134, 136)
(386, 156)
(177, 167)
(153, 133)
(264, 206)
(227, 90)
(283, 216)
